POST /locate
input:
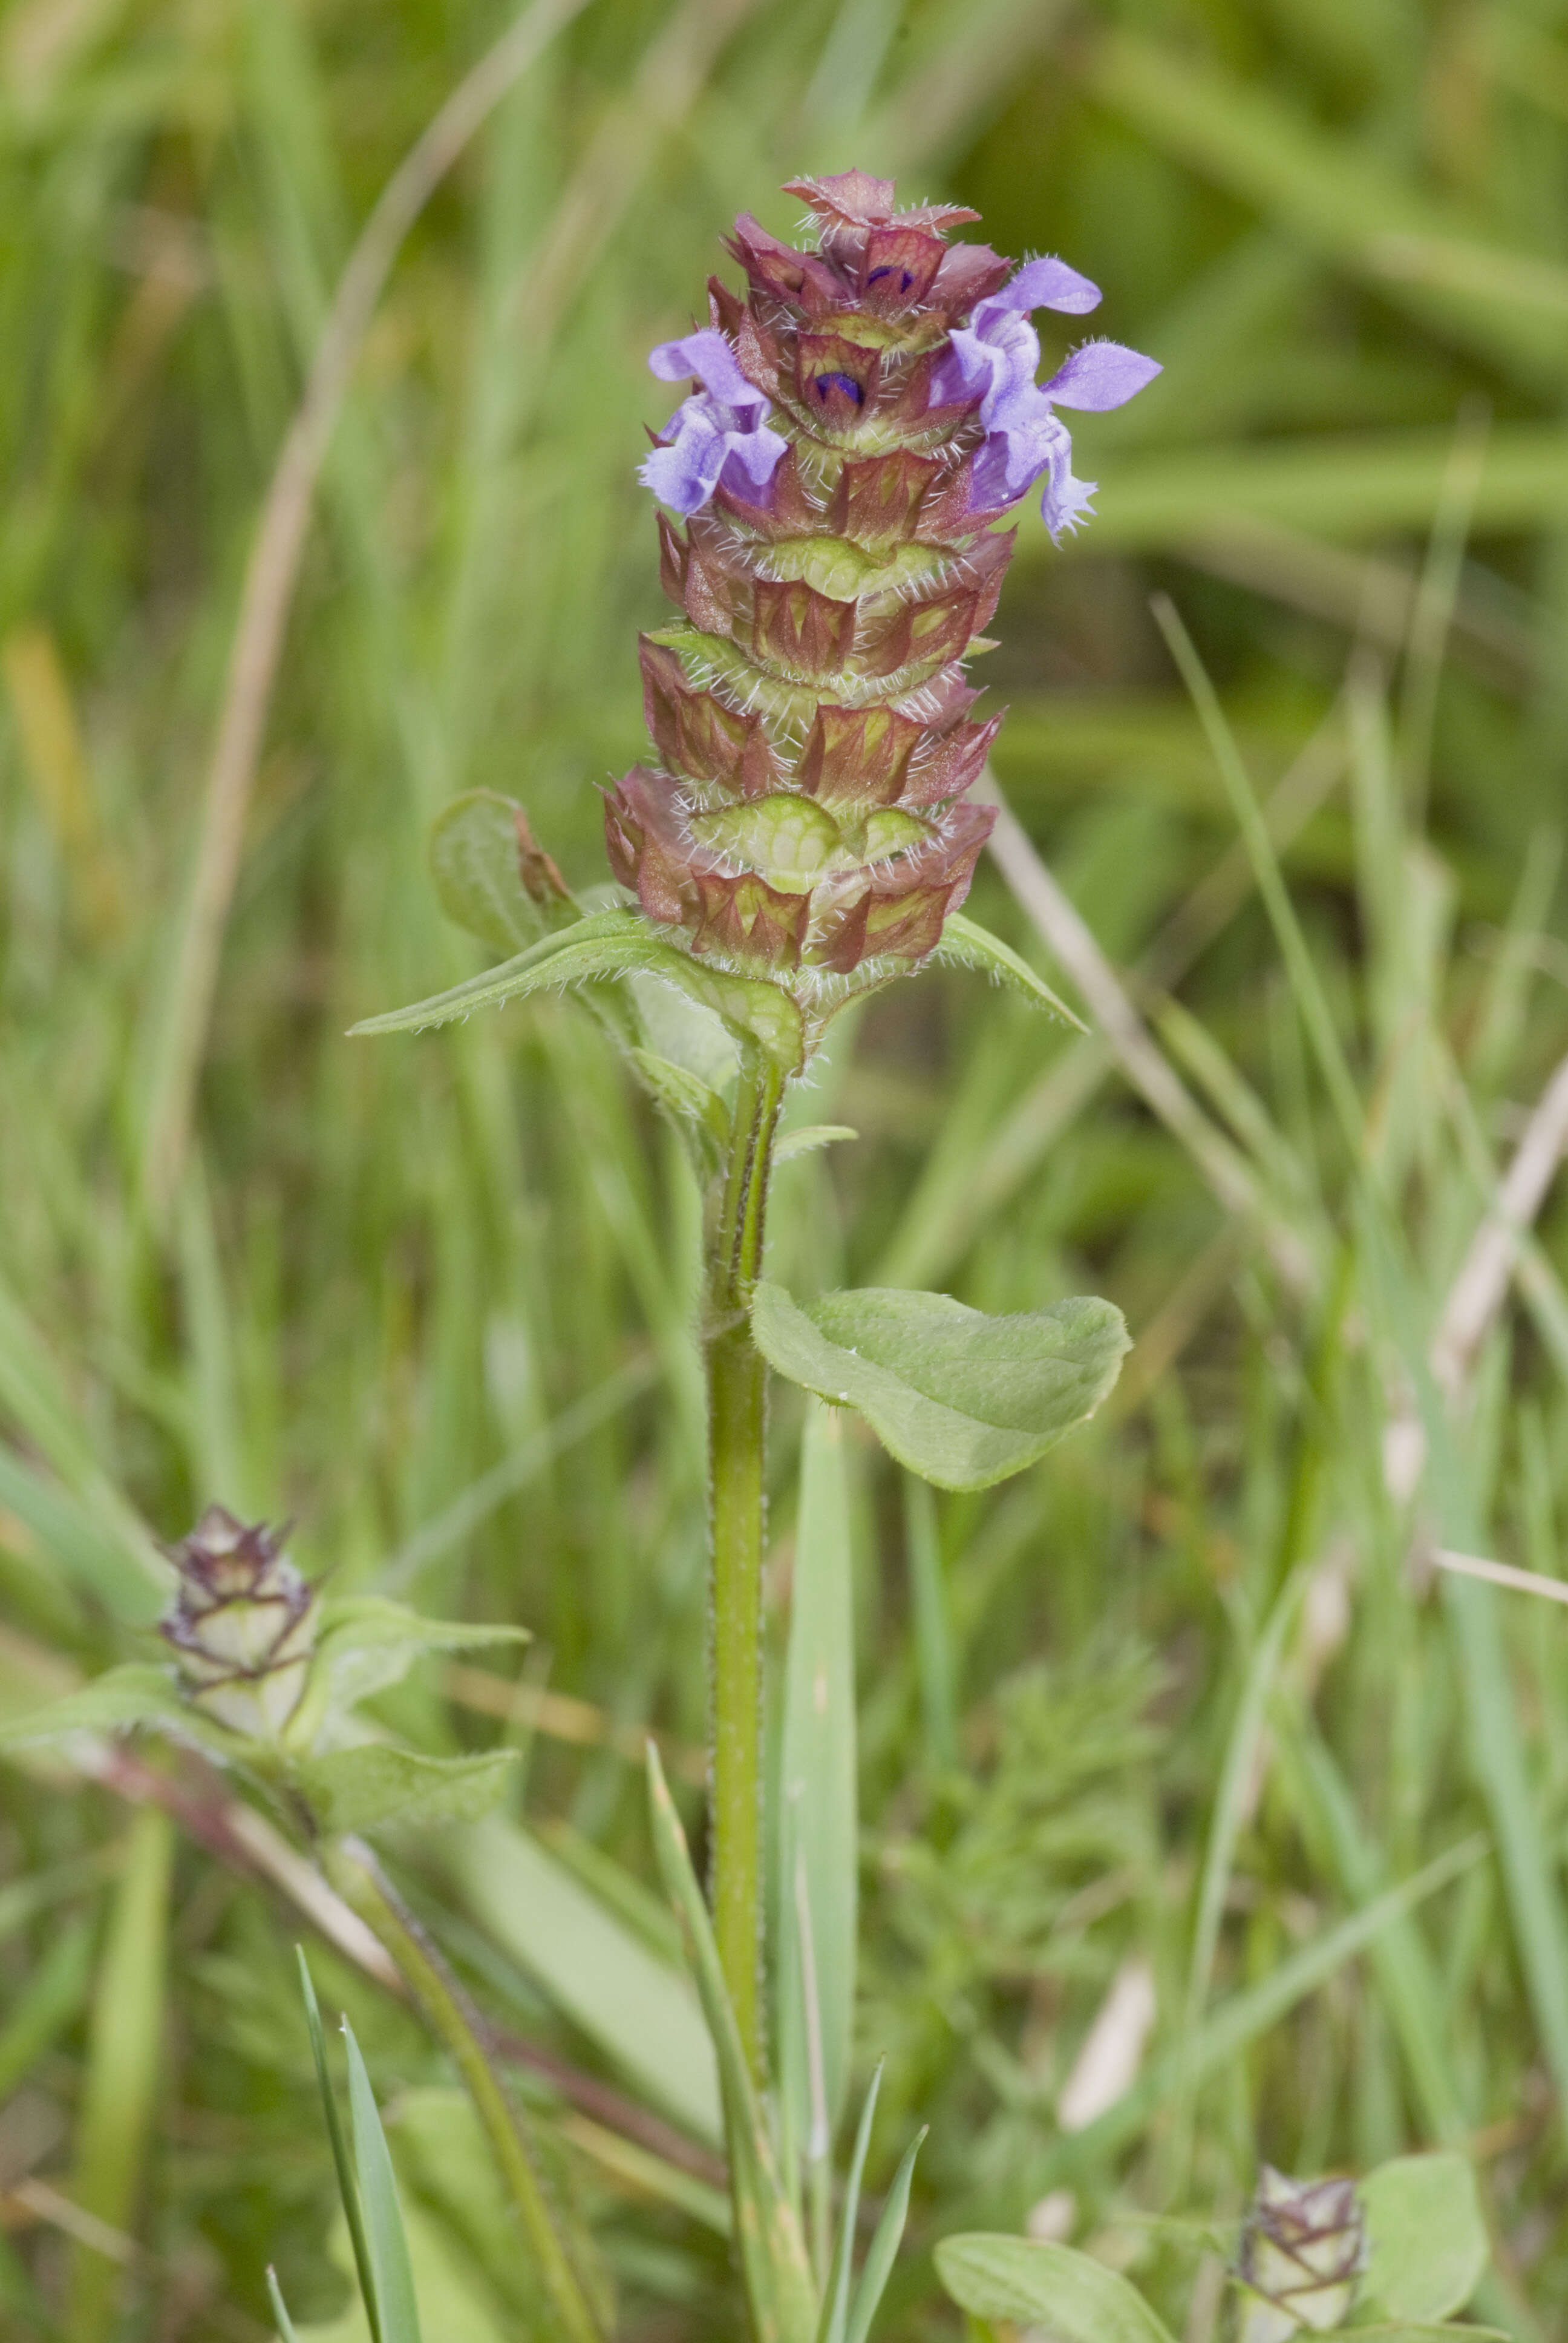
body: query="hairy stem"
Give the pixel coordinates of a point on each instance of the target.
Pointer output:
(737, 1433)
(453, 2018)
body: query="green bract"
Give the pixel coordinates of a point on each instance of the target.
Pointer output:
(611, 944)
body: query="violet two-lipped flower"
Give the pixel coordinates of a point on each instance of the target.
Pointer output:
(997, 354)
(721, 427)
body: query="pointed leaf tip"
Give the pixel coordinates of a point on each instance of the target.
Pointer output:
(883, 2251)
(397, 2306)
(966, 944)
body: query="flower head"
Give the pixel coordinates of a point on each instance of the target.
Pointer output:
(241, 1624)
(1303, 2249)
(862, 415)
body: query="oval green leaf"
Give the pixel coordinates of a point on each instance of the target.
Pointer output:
(1057, 2292)
(961, 1398)
(473, 854)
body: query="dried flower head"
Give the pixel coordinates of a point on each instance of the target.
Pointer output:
(242, 1624)
(857, 423)
(1303, 2249)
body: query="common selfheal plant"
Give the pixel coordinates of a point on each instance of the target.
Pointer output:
(801, 834)
(268, 1680)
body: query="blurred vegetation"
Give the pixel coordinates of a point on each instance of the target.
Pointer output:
(1179, 1693)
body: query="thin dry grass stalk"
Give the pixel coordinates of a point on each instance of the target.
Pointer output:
(1068, 937)
(1477, 1292)
(272, 574)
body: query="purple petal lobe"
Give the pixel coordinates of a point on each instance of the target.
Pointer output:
(721, 424)
(1049, 285)
(759, 454)
(1100, 374)
(964, 370)
(709, 357)
(685, 474)
(1065, 502)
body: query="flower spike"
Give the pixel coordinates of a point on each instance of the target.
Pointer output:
(858, 422)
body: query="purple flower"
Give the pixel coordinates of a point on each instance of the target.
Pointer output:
(995, 356)
(721, 425)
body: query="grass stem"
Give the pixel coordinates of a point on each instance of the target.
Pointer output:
(737, 1437)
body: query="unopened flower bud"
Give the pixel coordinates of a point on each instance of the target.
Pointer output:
(242, 1624)
(1303, 2249)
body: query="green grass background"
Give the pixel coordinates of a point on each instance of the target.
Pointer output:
(1180, 1692)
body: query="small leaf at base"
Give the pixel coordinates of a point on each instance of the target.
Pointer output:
(1074, 2299)
(115, 1701)
(1426, 2239)
(809, 1138)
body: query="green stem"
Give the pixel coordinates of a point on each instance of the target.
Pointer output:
(452, 2017)
(737, 1435)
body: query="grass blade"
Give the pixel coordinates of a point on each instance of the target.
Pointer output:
(933, 1634)
(1232, 2024)
(1232, 1795)
(836, 2303)
(348, 2187)
(819, 1830)
(773, 2252)
(124, 2068)
(279, 2307)
(883, 2252)
(389, 2248)
(1305, 983)
(45, 2004)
